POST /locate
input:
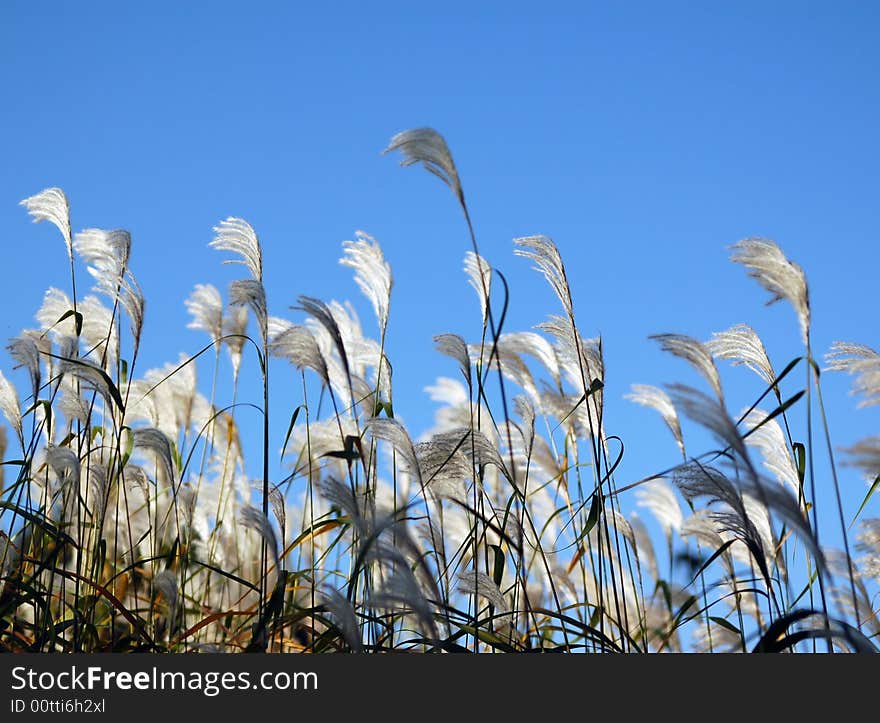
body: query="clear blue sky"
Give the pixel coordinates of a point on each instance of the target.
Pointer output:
(644, 137)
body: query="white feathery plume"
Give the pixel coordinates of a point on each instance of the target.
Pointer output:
(473, 443)
(621, 526)
(205, 305)
(784, 279)
(254, 519)
(659, 497)
(711, 414)
(92, 377)
(99, 488)
(444, 466)
(10, 405)
(153, 440)
(276, 501)
(644, 546)
(401, 592)
(741, 345)
(234, 332)
(543, 252)
(427, 147)
(479, 274)
(97, 323)
(297, 344)
(65, 464)
(23, 349)
(699, 525)
(512, 366)
(696, 354)
(250, 292)
(372, 273)
(342, 610)
(865, 455)
(658, 400)
(51, 205)
(356, 507)
(869, 544)
(536, 346)
(759, 516)
(695, 480)
(525, 410)
(322, 314)
(568, 342)
(237, 235)
(452, 345)
(479, 583)
(770, 440)
(395, 433)
(136, 478)
(73, 406)
(363, 356)
(861, 361)
(107, 254)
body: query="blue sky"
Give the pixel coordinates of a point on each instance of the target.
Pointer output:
(643, 137)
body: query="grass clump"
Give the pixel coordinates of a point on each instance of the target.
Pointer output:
(129, 521)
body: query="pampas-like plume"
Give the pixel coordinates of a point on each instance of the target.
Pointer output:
(155, 441)
(297, 344)
(427, 147)
(543, 252)
(865, 455)
(23, 349)
(479, 274)
(395, 433)
(658, 400)
(536, 346)
(321, 313)
(568, 343)
(10, 405)
(401, 592)
(444, 466)
(696, 354)
(479, 583)
(452, 345)
(73, 406)
(341, 609)
(234, 331)
(97, 322)
(660, 499)
(512, 366)
(51, 205)
(372, 273)
(711, 414)
(861, 361)
(237, 235)
(784, 279)
(107, 253)
(254, 519)
(65, 464)
(450, 456)
(341, 496)
(206, 308)
(91, 377)
(250, 292)
(770, 440)
(276, 500)
(742, 346)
